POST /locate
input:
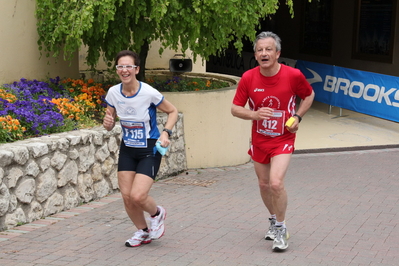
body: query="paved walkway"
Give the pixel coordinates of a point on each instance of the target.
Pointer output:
(344, 130)
(343, 210)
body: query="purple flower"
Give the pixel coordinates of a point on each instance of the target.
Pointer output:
(37, 116)
(33, 89)
(33, 108)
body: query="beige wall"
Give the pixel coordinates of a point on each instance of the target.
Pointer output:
(18, 46)
(154, 60)
(213, 137)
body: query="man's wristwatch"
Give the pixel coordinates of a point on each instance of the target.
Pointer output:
(299, 117)
(168, 131)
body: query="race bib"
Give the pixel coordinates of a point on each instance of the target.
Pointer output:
(134, 134)
(274, 126)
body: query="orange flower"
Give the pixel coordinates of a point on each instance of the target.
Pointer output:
(7, 96)
(11, 126)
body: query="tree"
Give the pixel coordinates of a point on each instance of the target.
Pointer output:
(109, 26)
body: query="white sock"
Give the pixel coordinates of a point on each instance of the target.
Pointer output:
(274, 216)
(282, 224)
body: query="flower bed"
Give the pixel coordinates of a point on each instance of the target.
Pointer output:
(31, 108)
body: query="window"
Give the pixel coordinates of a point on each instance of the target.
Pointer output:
(316, 27)
(374, 30)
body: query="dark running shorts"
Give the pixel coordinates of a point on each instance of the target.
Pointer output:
(144, 161)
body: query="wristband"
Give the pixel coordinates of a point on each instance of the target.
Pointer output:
(168, 131)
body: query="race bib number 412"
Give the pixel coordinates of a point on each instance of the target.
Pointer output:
(133, 134)
(274, 126)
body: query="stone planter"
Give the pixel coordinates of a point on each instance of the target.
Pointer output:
(213, 137)
(46, 175)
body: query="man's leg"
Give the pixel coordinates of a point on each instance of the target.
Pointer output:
(271, 184)
(279, 165)
(263, 173)
(278, 169)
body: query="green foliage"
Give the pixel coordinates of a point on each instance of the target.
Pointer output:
(108, 26)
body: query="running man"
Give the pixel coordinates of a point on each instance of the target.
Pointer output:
(270, 90)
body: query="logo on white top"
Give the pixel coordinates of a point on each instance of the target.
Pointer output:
(131, 111)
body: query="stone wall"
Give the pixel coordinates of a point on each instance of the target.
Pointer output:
(46, 175)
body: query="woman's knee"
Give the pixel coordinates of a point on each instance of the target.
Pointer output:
(131, 200)
(138, 199)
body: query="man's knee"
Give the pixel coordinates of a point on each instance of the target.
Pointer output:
(264, 186)
(277, 187)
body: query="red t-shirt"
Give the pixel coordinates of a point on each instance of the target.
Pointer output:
(278, 92)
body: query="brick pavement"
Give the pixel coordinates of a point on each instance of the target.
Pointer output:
(343, 210)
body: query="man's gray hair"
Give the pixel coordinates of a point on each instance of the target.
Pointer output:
(268, 34)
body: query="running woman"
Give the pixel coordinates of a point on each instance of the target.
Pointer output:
(135, 103)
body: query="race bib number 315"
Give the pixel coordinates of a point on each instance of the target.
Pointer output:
(272, 127)
(134, 134)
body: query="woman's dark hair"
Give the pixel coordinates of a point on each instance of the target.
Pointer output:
(123, 53)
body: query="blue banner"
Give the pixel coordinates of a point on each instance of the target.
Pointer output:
(364, 92)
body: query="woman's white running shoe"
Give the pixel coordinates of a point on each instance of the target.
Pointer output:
(140, 237)
(157, 224)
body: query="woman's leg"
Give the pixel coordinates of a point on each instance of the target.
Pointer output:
(134, 189)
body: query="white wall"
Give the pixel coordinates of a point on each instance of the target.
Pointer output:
(18, 46)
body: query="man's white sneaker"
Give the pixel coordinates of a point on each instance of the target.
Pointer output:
(140, 237)
(280, 241)
(272, 230)
(157, 224)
